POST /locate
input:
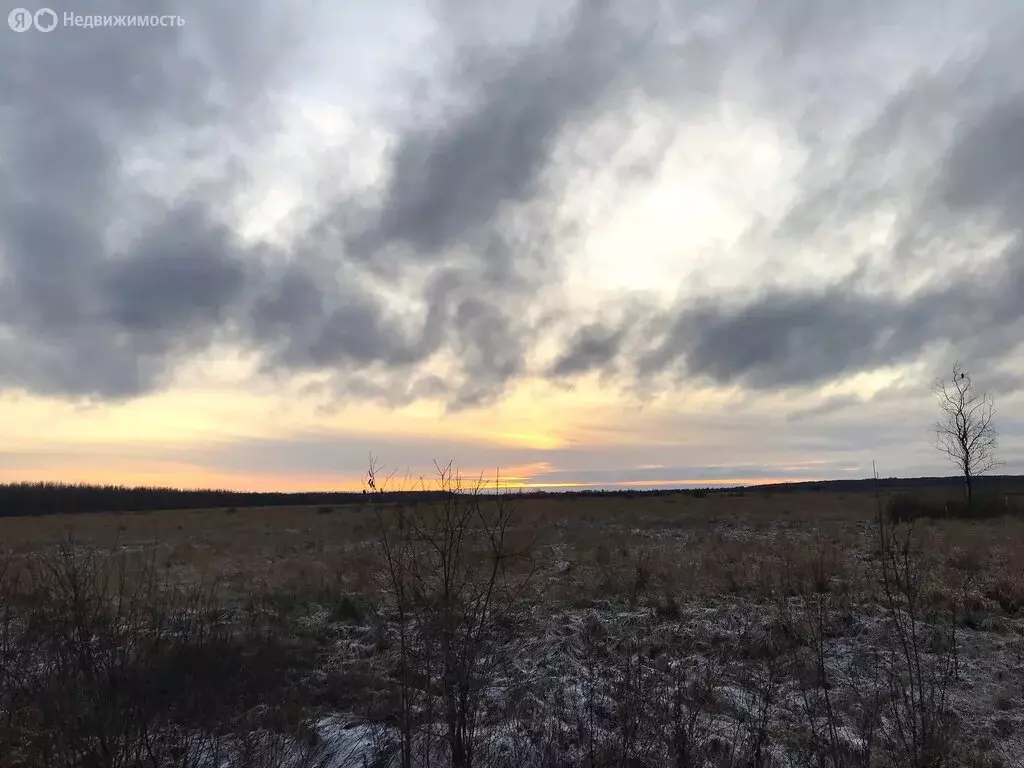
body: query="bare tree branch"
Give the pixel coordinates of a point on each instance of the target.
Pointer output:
(965, 431)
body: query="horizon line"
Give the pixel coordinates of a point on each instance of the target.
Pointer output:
(641, 486)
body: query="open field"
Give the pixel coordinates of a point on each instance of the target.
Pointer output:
(740, 629)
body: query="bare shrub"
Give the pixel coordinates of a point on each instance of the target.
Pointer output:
(839, 710)
(104, 664)
(921, 726)
(890, 702)
(905, 508)
(687, 710)
(813, 566)
(456, 589)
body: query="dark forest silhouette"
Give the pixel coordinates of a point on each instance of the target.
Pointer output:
(28, 499)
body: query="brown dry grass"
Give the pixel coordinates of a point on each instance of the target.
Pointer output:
(756, 555)
(649, 547)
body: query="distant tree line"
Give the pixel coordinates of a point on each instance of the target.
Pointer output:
(26, 499)
(989, 483)
(51, 498)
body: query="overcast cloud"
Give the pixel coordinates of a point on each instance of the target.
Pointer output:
(431, 250)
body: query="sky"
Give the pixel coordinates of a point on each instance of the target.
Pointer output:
(562, 243)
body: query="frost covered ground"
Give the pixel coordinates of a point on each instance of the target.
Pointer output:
(570, 671)
(753, 630)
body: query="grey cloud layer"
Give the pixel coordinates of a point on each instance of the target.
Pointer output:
(782, 337)
(86, 318)
(107, 284)
(86, 309)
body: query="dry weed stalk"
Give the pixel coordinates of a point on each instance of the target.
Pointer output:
(457, 590)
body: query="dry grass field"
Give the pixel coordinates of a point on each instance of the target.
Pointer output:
(728, 629)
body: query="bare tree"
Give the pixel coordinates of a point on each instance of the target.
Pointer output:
(965, 431)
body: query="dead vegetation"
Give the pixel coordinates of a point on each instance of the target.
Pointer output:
(480, 630)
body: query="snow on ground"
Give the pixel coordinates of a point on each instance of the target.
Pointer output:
(566, 658)
(568, 665)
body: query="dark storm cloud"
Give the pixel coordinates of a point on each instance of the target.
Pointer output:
(94, 303)
(449, 182)
(985, 168)
(106, 284)
(308, 323)
(783, 338)
(797, 338)
(180, 276)
(780, 337)
(593, 346)
(465, 202)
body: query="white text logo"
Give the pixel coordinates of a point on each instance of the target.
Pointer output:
(46, 20)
